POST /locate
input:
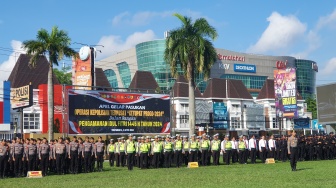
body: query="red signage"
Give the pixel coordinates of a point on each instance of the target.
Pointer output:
(281, 64)
(231, 57)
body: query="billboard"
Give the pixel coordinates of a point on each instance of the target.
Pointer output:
(102, 112)
(220, 115)
(285, 92)
(244, 68)
(81, 67)
(255, 116)
(21, 97)
(302, 123)
(326, 103)
(315, 124)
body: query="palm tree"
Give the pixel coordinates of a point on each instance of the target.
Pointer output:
(190, 47)
(54, 46)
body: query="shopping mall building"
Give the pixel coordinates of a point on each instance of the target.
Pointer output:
(252, 69)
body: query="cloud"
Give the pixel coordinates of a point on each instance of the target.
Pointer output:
(313, 42)
(281, 33)
(330, 67)
(7, 66)
(325, 21)
(139, 18)
(113, 44)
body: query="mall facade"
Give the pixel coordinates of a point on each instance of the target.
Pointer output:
(252, 69)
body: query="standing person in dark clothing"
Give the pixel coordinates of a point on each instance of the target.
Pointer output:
(283, 149)
(44, 156)
(31, 155)
(110, 151)
(60, 155)
(130, 151)
(18, 157)
(293, 150)
(100, 153)
(4, 150)
(87, 154)
(73, 155)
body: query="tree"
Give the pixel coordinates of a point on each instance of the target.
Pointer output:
(63, 76)
(311, 106)
(190, 47)
(54, 45)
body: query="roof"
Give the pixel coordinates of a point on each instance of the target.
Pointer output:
(226, 88)
(23, 74)
(181, 88)
(101, 79)
(143, 80)
(267, 91)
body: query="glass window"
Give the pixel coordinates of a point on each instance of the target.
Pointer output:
(31, 121)
(111, 77)
(235, 122)
(125, 74)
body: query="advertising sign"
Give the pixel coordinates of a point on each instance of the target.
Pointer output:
(326, 103)
(302, 123)
(21, 97)
(285, 92)
(82, 70)
(245, 68)
(255, 116)
(220, 115)
(315, 124)
(96, 112)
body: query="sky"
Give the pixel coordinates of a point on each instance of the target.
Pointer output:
(304, 29)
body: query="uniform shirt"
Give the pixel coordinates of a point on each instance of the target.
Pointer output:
(234, 145)
(32, 150)
(252, 144)
(271, 143)
(108, 148)
(59, 149)
(73, 146)
(87, 147)
(100, 147)
(25, 150)
(292, 142)
(44, 149)
(80, 149)
(3, 150)
(213, 145)
(18, 149)
(262, 144)
(51, 150)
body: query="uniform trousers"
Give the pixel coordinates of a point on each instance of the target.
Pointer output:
(111, 158)
(31, 162)
(227, 156)
(18, 164)
(74, 162)
(215, 157)
(156, 159)
(87, 161)
(60, 158)
(130, 161)
(100, 160)
(178, 158)
(167, 158)
(293, 157)
(44, 163)
(2, 166)
(143, 160)
(193, 156)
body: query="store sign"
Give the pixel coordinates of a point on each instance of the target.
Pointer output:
(22, 97)
(245, 68)
(281, 64)
(231, 57)
(224, 66)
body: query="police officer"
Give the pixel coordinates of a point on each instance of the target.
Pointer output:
(215, 148)
(80, 155)
(143, 152)
(73, 155)
(100, 153)
(185, 150)
(226, 149)
(88, 149)
(60, 155)
(44, 156)
(130, 151)
(111, 150)
(193, 149)
(156, 152)
(241, 150)
(167, 149)
(122, 154)
(178, 151)
(293, 150)
(3, 158)
(31, 155)
(18, 157)
(253, 149)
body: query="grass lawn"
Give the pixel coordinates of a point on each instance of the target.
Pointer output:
(309, 174)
